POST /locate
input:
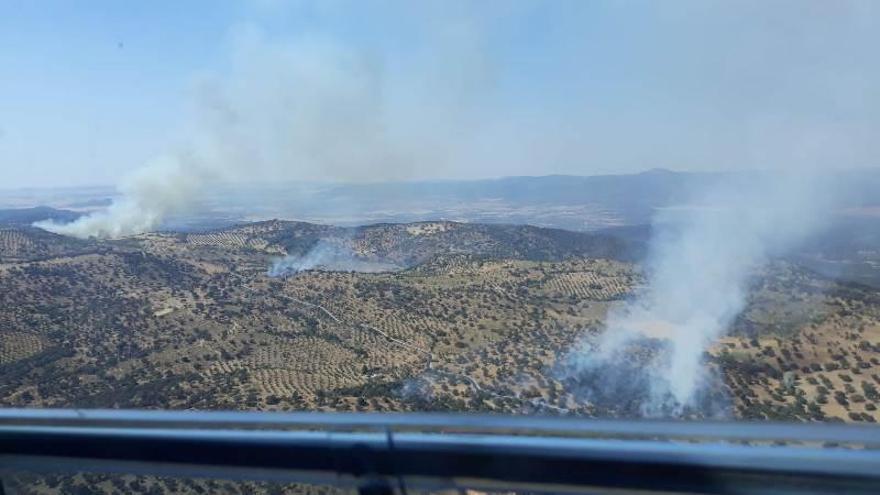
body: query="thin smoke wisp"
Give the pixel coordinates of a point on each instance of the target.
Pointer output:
(327, 256)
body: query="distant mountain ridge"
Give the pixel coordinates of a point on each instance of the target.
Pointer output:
(559, 201)
(27, 216)
(579, 203)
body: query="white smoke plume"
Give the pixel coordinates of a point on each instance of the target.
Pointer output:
(292, 108)
(165, 185)
(698, 271)
(310, 107)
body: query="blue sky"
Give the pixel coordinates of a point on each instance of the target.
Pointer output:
(91, 91)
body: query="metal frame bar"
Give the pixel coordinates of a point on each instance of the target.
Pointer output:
(720, 430)
(446, 450)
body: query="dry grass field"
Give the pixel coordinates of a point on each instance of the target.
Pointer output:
(814, 356)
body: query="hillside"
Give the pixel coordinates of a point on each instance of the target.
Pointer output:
(460, 317)
(410, 244)
(30, 243)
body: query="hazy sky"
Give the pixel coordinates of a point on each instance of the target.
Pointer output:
(92, 90)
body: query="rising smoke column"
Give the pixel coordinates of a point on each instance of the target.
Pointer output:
(698, 271)
(284, 109)
(312, 108)
(166, 185)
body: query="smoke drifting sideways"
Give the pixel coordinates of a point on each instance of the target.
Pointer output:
(327, 256)
(650, 356)
(305, 108)
(163, 186)
(316, 106)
